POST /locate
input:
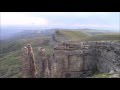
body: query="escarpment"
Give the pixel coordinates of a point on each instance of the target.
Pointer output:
(78, 59)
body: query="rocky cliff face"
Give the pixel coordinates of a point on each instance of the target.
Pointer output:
(81, 59)
(109, 58)
(86, 58)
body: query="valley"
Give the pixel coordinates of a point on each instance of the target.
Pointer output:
(11, 49)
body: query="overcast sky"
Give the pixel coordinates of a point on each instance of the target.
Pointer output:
(98, 20)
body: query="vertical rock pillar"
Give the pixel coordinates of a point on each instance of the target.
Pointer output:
(28, 63)
(45, 63)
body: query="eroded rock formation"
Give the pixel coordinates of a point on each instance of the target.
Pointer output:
(80, 59)
(87, 58)
(28, 63)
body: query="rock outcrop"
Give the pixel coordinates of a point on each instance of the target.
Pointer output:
(80, 59)
(28, 63)
(83, 59)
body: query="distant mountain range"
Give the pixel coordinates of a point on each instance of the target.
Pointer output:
(20, 32)
(7, 33)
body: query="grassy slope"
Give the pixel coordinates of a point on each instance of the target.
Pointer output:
(106, 75)
(79, 35)
(104, 37)
(11, 51)
(10, 55)
(9, 64)
(73, 35)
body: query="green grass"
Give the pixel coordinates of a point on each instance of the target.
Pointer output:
(103, 75)
(10, 54)
(72, 35)
(104, 37)
(81, 35)
(49, 49)
(9, 64)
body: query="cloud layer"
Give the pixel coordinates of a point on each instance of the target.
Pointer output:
(99, 20)
(21, 19)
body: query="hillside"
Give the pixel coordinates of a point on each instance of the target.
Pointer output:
(10, 54)
(86, 35)
(10, 50)
(104, 37)
(72, 35)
